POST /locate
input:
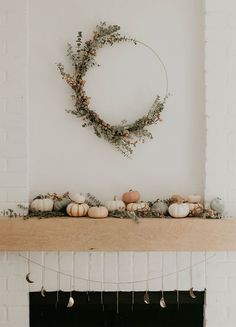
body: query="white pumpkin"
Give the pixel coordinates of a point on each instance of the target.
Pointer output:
(194, 198)
(78, 198)
(115, 204)
(98, 212)
(77, 210)
(138, 206)
(45, 204)
(179, 210)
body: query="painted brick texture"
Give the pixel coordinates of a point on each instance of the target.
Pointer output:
(13, 103)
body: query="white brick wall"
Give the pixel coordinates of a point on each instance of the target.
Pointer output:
(220, 80)
(13, 103)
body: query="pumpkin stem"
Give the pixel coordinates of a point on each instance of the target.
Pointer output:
(115, 198)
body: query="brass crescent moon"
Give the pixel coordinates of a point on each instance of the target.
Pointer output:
(70, 302)
(146, 298)
(162, 303)
(43, 291)
(27, 277)
(192, 295)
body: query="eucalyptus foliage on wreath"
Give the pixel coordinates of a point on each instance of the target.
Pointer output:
(126, 135)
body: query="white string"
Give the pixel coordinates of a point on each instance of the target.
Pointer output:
(72, 280)
(177, 278)
(43, 268)
(191, 270)
(205, 295)
(58, 276)
(89, 272)
(177, 270)
(147, 272)
(118, 270)
(162, 272)
(28, 268)
(132, 265)
(28, 262)
(59, 269)
(120, 282)
(102, 279)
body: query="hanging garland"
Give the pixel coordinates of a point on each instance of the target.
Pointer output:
(123, 137)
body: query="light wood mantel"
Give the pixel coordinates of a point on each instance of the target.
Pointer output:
(113, 234)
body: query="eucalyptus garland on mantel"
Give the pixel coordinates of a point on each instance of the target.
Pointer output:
(123, 137)
(129, 206)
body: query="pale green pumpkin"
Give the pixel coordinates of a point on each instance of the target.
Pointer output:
(60, 204)
(217, 204)
(160, 208)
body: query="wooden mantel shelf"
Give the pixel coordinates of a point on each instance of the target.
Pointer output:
(113, 234)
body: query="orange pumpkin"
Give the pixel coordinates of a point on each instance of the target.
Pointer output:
(131, 196)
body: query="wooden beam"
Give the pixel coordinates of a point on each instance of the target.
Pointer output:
(113, 234)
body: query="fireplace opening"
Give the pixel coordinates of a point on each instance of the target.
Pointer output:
(126, 309)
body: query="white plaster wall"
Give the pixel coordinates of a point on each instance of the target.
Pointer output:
(65, 156)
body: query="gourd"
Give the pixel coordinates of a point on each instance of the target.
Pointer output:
(140, 206)
(217, 205)
(77, 198)
(179, 210)
(77, 210)
(194, 198)
(60, 202)
(160, 207)
(131, 196)
(98, 212)
(41, 204)
(115, 204)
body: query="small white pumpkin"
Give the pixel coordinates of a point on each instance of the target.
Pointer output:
(138, 206)
(115, 204)
(77, 198)
(98, 212)
(194, 198)
(179, 210)
(44, 204)
(77, 210)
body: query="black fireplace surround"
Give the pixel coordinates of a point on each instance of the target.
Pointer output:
(108, 309)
